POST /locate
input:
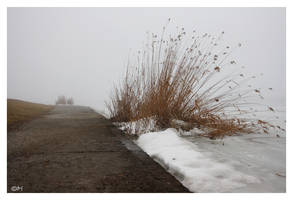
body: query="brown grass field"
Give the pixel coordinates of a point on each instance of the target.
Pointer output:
(19, 112)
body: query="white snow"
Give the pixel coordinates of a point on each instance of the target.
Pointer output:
(138, 127)
(197, 171)
(260, 155)
(240, 163)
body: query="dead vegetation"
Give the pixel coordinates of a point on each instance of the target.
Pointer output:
(172, 79)
(19, 112)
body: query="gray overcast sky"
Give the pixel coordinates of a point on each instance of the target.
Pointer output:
(80, 52)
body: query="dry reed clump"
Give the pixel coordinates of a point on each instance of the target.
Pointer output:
(172, 79)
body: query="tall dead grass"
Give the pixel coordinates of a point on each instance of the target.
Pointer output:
(172, 79)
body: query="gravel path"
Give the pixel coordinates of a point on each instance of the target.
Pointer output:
(74, 149)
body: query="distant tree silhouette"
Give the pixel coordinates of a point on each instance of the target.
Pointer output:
(70, 101)
(61, 100)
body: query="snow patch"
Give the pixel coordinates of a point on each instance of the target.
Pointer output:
(138, 127)
(196, 170)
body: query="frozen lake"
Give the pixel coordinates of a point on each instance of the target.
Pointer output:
(260, 155)
(241, 163)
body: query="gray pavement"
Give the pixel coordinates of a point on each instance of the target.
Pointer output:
(74, 149)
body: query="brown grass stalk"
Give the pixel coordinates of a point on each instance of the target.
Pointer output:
(171, 80)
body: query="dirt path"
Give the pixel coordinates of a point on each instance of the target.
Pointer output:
(74, 149)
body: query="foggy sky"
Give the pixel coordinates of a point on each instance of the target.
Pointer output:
(81, 52)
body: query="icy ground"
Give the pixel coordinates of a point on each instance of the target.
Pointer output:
(241, 163)
(248, 163)
(261, 156)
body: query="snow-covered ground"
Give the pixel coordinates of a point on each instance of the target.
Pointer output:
(248, 163)
(261, 156)
(240, 163)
